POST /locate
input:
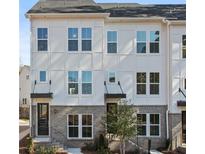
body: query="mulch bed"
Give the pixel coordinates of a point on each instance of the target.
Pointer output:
(23, 145)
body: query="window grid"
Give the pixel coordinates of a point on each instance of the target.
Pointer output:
(154, 41)
(141, 83)
(112, 42)
(87, 125)
(141, 43)
(155, 124)
(74, 125)
(87, 82)
(112, 77)
(155, 83)
(42, 39)
(87, 39)
(142, 123)
(72, 40)
(42, 76)
(71, 90)
(183, 46)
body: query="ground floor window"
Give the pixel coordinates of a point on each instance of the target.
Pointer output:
(80, 126)
(148, 124)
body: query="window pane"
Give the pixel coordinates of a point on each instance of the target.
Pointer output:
(112, 48)
(86, 76)
(73, 119)
(86, 45)
(86, 119)
(112, 36)
(72, 33)
(42, 45)
(141, 130)
(154, 47)
(72, 88)
(183, 46)
(141, 47)
(154, 36)
(154, 89)
(86, 33)
(111, 76)
(154, 130)
(73, 131)
(72, 45)
(141, 77)
(184, 40)
(42, 76)
(73, 76)
(141, 36)
(86, 88)
(42, 33)
(154, 118)
(141, 89)
(141, 118)
(87, 131)
(154, 77)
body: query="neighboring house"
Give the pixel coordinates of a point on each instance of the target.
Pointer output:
(24, 90)
(86, 56)
(24, 86)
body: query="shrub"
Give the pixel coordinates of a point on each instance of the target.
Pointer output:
(45, 150)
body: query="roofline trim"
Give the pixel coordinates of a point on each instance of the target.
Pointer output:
(103, 15)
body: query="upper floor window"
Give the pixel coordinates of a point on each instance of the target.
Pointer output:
(112, 42)
(73, 82)
(111, 77)
(86, 82)
(42, 39)
(141, 42)
(141, 83)
(154, 125)
(86, 39)
(72, 39)
(183, 46)
(154, 83)
(154, 41)
(42, 76)
(27, 77)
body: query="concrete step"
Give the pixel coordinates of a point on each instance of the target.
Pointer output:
(74, 151)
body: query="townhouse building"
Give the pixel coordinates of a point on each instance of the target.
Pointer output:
(87, 56)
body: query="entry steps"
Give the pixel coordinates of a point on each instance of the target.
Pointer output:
(74, 151)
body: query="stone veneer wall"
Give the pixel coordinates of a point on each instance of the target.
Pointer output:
(155, 141)
(58, 117)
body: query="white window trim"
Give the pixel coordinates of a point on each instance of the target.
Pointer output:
(42, 39)
(140, 95)
(80, 128)
(148, 126)
(146, 51)
(73, 82)
(91, 39)
(108, 77)
(81, 82)
(73, 51)
(154, 42)
(46, 76)
(149, 83)
(111, 41)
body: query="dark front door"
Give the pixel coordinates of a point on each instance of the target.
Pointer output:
(43, 119)
(184, 126)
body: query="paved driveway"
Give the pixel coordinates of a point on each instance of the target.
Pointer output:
(24, 129)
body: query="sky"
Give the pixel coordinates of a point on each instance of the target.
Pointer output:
(25, 5)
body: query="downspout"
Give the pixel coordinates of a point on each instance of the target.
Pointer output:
(30, 114)
(168, 72)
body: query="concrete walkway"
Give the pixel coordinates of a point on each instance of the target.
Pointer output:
(24, 128)
(74, 151)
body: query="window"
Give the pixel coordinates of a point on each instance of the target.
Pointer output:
(27, 77)
(154, 83)
(112, 42)
(86, 82)
(154, 42)
(154, 124)
(183, 46)
(72, 82)
(24, 101)
(42, 39)
(141, 42)
(87, 126)
(86, 39)
(42, 76)
(141, 126)
(80, 126)
(73, 125)
(141, 83)
(72, 39)
(111, 77)
(185, 83)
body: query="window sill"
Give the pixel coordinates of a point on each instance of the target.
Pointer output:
(80, 138)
